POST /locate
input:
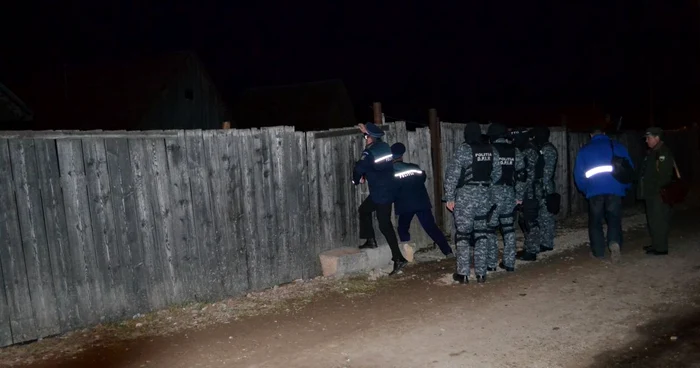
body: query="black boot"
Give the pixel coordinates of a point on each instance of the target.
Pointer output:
(545, 249)
(527, 256)
(490, 269)
(462, 279)
(503, 266)
(481, 279)
(369, 244)
(398, 266)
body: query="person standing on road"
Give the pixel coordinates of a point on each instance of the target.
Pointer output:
(412, 200)
(545, 187)
(508, 193)
(593, 174)
(657, 171)
(376, 166)
(530, 207)
(468, 180)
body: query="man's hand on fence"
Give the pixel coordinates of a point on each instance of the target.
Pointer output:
(362, 127)
(450, 206)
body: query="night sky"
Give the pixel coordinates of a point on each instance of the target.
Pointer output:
(466, 60)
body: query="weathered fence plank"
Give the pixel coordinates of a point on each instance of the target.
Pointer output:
(315, 231)
(5, 315)
(268, 224)
(146, 228)
(187, 253)
(300, 219)
(203, 214)
(127, 226)
(34, 243)
(22, 321)
(280, 242)
(158, 188)
(559, 139)
(80, 232)
(577, 202)
(57, 234)
(238, 263)
(105, 237)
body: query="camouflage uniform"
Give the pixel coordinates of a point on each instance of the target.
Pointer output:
(506, 192)
(467, 183)
(544, 185)
(532, 227)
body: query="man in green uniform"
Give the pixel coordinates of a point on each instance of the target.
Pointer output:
(657, 171)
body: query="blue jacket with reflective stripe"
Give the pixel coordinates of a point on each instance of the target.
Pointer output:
(597, 154)
(411, 194)
(376, 167)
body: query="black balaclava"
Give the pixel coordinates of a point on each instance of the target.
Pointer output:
(540, 136)
(472, 133)
(497, 131)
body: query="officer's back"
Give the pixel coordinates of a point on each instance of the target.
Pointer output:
(377, 168)
(411, 194)
(593, 170)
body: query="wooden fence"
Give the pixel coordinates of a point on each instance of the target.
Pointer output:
(99, 226)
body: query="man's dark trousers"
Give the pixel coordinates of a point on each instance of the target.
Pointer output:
(427, 221)
(606, 207)
(384, 219)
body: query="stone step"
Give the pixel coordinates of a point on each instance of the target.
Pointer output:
(348, 260)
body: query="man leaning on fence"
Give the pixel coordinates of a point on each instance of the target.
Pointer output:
(595, 176)
(412, 200)
(376, 166)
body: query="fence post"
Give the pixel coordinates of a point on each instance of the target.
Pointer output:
(436, 147)
(377, 108)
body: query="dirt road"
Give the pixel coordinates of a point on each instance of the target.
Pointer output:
(567, 311)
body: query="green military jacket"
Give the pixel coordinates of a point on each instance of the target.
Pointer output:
(656, 171)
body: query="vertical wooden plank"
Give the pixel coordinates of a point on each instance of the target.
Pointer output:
(203, 214)
(22, 322)
(158, 185)
(105, 237)
(314, 224)
(185, 244)
(33, 231)
(269, 223)
(146, 225)
(5, 316)
(339, 190)
(237, 276)
(326, 194)
(561, 173)
(217, 198)
(57, 239)
(80, 237)
(255, 204)
(279, 154)
(300, 223)
(249, 220)
(133, 272)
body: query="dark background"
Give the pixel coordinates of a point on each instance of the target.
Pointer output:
(469, 59)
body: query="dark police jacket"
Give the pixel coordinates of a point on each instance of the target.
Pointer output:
(411, 195)
(377, 168)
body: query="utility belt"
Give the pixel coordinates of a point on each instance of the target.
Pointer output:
(478, 184)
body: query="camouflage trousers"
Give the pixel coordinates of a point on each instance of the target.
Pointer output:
(547, 226)
(504, 217)
(470, 215)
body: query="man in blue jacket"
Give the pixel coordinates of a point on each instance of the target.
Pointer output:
(593, 175)
(376, 166)
(412, 200)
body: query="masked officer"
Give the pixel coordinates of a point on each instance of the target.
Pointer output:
(657, 171)
(530, 207)
(468, 180)
(545, 187)
(593, 174)
(412, 200)
(507, 193)
(376, 166)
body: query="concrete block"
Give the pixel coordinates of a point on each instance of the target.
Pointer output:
(348, 260)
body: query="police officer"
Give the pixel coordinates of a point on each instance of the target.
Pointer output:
(507, 193)
(412, 200)
(468, 180)
(544, 186)
(376, 166)
(593, 174)
(530, 207)
(657, 171)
